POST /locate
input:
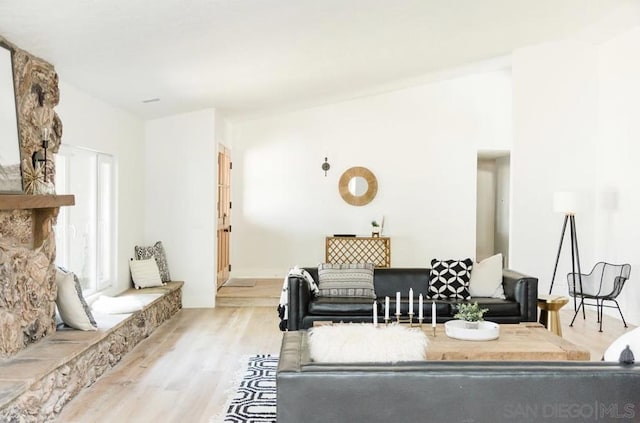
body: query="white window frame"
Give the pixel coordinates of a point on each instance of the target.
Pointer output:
(100, 213)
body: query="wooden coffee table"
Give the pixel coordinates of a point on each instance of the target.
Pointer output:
(517, 342)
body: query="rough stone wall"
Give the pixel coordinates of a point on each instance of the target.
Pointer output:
(37, 94)
(42, 401)
(27, 278)
(27, 294)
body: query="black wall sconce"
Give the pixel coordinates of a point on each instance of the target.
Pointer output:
(326, 166)
(40, 158)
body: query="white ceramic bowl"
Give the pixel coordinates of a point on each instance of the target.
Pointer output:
(486, 331)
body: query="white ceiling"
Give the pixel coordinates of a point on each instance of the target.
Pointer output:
(246, 57)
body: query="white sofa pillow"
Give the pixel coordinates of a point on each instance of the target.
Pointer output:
(486, 278)
(145, 273)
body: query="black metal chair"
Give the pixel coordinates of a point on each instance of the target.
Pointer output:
(604, 283)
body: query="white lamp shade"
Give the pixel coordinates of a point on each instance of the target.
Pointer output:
(565, 202)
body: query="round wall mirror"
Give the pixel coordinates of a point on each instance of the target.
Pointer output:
(358, 186)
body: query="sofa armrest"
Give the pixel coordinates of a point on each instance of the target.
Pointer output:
(524, 290)
(299, 297)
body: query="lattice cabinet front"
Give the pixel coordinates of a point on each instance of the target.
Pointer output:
(376, 250)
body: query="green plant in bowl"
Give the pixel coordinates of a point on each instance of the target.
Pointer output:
(471, 313)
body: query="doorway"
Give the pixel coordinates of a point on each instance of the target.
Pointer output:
(492, 205)
(224, 215)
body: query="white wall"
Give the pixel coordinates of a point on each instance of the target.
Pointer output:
(577, 128)
(223, 130)
(503, 208)
(421, 143)
(554, 109)
(486, 208)
(90, 123)
(492, 204)
(180, 199)
(617, 191)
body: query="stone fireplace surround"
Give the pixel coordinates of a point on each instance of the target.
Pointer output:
(41, 369)
(27, 245)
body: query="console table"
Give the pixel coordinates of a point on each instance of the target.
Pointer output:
(365, 249)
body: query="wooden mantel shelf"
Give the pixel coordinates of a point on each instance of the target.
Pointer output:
(25, 201)
(43, 207)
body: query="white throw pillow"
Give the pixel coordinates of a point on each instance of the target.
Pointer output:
(632, 339)
(486, 278)
(72, 307)
(145, 273)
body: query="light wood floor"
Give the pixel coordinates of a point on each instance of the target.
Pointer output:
(182, 372)
(266, 293)
(585, 331)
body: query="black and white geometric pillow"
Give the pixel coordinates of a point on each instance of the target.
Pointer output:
(450, 279)
(156, 251)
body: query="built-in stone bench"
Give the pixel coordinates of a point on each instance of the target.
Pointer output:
(37, 382)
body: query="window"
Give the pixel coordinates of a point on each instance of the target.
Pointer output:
(85, 233)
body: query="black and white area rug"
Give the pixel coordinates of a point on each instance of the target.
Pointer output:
(255, 399)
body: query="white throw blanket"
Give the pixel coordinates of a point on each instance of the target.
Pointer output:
(122, 305)
(283, 306)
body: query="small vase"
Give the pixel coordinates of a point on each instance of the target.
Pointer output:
(471, 325)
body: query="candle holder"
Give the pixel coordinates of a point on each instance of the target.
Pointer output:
(400, 319)
(420, 319)
(434, 331)
(386, 321)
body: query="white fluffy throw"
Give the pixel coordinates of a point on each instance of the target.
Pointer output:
(362, 343)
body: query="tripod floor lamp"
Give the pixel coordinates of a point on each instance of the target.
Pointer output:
(566, 203)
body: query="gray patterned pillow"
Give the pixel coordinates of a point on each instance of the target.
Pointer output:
(157, 251)
(346, 280)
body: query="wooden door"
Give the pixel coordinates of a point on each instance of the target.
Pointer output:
(224, 215)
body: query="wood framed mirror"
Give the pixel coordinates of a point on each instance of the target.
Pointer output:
(358, 186)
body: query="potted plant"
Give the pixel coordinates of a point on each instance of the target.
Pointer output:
(471, 313)
(375, 228)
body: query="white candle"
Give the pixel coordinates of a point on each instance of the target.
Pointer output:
(45, 134)
(397, 303)
(386, 308)
(433, 314)
(410, 300)
(375, 313)
(420, 315)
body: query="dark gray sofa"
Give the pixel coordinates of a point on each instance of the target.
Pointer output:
(450, 391)
(520, 304)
